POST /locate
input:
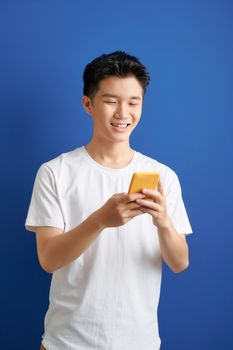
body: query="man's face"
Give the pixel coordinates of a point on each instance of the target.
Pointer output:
(116, 108)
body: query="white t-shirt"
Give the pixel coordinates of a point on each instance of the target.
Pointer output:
(108, 297)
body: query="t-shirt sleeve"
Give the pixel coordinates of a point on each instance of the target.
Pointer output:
(44, 208)
(175, 205)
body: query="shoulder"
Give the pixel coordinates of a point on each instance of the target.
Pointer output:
(63, 163)
(168, 174)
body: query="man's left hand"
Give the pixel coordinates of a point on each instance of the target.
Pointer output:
(155, 206)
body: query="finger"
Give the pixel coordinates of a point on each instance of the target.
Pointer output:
(153, 194)
(132, 197)
(134, 213)
(160, 188)
(149, 204)
(150, 211)
(132, 205)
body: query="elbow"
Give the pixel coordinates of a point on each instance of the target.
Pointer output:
(47, 269)
(181, 267)
(45, 266)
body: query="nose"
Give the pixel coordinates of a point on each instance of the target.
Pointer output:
(121, 112)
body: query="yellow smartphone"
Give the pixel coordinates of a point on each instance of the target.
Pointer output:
(142, 180)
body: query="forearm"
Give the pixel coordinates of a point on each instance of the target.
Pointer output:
(62, 249)
(174, 249)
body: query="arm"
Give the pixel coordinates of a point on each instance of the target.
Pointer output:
(57, 249)
(173, 246)
(174, 249)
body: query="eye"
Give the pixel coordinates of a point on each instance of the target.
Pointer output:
(110, 102)
(133, 104)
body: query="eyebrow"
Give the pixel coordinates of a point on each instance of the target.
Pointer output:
(115, 96)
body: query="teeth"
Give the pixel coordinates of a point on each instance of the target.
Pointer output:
(120, 125)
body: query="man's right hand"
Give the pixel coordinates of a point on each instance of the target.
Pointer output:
(119, 209)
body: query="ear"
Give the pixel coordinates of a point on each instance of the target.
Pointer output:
(86, 101)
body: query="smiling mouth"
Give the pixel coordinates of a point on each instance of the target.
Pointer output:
(120, 126)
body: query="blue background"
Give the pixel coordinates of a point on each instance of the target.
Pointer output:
(186, 124)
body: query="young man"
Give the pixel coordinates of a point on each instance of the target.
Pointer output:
(103, 246)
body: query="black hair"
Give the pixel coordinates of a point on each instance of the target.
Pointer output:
(119, 64)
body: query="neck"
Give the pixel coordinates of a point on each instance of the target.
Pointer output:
(115, 155)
